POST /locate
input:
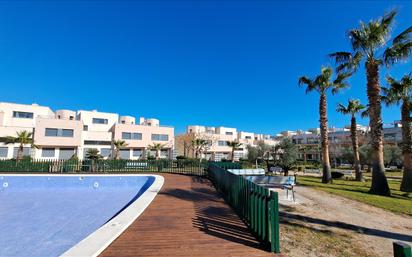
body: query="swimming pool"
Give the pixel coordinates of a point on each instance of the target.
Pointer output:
(72, 215)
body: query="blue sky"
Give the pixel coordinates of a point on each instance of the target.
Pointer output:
(229, 63)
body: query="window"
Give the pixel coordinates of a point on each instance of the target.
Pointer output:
(66, 153)
(23, 115)
(222, 143)
(51, 132)
(137, 152)
(105, 152)
(67, 132)
(125, 154)
(47, 152)
(126, 135)
(100, 121)
(26, 151)
(54, 132)
(71, 118)
(137, 136)
(4, 151)
(131, 136)
(248, 137)
(85, 128)
(160, 137)
(229, 133)
(164, 153)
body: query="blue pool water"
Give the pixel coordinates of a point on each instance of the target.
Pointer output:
(47, 215)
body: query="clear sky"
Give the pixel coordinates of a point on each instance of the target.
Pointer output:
(229, 63)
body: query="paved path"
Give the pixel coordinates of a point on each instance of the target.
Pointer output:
(187, 218)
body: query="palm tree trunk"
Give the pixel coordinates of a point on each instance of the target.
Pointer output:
(406, 184)
(233, 154)
(116, 154)
(379, 182)
(327, 176)
(20, 153)
(355, 146)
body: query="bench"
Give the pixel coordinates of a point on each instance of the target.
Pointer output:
(284, 182)
(247, 171)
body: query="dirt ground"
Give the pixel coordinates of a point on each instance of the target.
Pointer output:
(320, 224)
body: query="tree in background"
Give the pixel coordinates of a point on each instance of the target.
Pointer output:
(285, 155)
(93, 155)
(392, 155)
(118, 144)
(22, 138)
(400, 93)
(353, 108)
(367, 42)
(234, 145)
(157, 147)
(322, 84)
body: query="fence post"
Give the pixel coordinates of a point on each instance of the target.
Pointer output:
(401, 249)
(274, 222)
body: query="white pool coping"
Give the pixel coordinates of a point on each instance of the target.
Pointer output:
(95, 243)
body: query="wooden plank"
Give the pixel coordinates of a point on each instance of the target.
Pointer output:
(187, 218)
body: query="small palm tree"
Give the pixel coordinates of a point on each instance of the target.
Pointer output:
(158, 148)
(199, 146)
(322, 83)
(400, 92)
(118, 144)
(22, 138)
(234, 145)
(93, 155)
(354, 107)
(367, 42)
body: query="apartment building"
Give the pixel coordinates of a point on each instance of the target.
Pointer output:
(339, 138)
(64, 133)
(218, 138)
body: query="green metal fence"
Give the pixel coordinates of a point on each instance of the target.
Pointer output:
(256, 205)
(190, 167)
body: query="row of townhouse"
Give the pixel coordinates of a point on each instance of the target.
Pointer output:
(218, 138)
(64, 133)
(339, 138)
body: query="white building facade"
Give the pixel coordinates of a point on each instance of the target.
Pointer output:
(64, 133)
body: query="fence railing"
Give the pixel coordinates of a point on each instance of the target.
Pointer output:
(190, 167)
(256, 205)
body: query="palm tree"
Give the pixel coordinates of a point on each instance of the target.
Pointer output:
(234, 145)
(367, 42)
(22, 138)
(157, 147)
(400, 92)
(199, 145)
(354, 107)
(93, 155)
(322, 83)
(118, 144)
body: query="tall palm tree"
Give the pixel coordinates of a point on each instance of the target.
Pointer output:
(367, 42)
(234, 145)
(354, 107)
(400, 92)
(158, 148)
(322, 83)
(118, 144)
(22, 138)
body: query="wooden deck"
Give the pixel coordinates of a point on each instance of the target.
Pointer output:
(187, 218)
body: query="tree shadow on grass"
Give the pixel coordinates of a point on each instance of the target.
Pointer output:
(290, 217)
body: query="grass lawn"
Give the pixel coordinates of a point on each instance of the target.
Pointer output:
(398, 202)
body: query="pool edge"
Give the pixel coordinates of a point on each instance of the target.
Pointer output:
(99, 240)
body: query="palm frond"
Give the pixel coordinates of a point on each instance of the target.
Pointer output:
(403, 36)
